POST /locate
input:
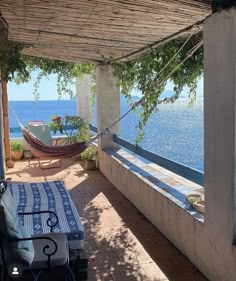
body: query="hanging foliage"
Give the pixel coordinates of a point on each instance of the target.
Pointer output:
(19, 68)
(66, 73)
(144, 74)
(11, 61)
(150, 74)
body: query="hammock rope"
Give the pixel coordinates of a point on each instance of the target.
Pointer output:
(40, 149)
(188, 55)
(175, 55)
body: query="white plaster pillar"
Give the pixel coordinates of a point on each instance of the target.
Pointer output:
(219, 115)
(84, 98)
(108, 104)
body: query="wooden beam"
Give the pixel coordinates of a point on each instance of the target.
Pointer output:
(6, 129)
(6, 136)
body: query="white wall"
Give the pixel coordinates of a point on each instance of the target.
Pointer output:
(193, 238)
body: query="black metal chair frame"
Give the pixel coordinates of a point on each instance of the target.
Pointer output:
(46, 248)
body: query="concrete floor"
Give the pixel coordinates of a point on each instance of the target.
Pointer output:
(121, 244)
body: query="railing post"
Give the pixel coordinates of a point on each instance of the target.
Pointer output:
(108, 104)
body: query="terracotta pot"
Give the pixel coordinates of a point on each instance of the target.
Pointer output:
(16, 155)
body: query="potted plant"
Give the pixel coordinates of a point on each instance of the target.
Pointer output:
(17, 150)
(88, 158)
(72, 126)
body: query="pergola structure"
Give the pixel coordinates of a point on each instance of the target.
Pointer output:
(86, 31)
(82, 31)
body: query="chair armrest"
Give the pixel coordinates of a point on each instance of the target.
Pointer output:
(45, 248)
(49, 220)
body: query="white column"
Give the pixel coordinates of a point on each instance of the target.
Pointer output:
(219, 115)
(84, 98)
(108, 104)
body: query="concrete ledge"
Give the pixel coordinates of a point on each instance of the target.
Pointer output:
(159, 194)
(152, 176)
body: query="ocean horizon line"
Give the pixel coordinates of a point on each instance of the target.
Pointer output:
(183, 98)
(42, 100)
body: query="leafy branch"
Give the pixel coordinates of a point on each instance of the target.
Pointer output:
(150, 74)
(72, 126)
(66, 73)
(11, 61)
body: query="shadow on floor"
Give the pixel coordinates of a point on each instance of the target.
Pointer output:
(121, 243)
(121, 240)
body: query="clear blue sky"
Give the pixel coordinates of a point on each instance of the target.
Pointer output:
(48, 90)
(184, 93)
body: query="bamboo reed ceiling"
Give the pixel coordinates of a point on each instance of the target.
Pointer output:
(86, 30)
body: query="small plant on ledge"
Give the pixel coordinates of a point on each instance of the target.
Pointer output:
(17, 149)
(88, 158)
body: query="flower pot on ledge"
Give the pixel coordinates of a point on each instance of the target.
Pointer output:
(88, 158)
(17, 150)
(89, 164)
(16, 155)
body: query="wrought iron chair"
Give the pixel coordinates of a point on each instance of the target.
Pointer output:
(49, 251)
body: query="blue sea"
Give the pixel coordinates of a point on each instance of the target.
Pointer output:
(175, 131)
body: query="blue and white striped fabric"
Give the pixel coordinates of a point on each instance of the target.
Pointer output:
(53, 196)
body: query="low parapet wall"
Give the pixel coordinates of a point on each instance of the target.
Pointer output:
(160, 196)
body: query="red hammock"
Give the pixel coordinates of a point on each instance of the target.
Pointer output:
(39, 149)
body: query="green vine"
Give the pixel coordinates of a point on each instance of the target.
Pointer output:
(148, 76)
(66, 73)
(11, 61)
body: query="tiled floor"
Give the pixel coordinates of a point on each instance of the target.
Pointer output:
(121, 244)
